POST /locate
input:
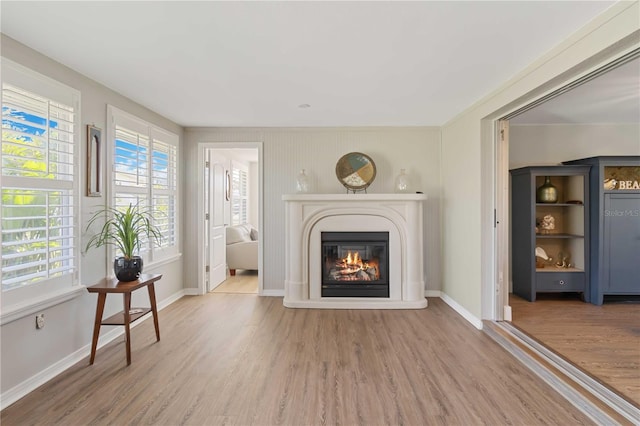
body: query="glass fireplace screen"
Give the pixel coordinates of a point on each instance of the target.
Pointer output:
(355, 264)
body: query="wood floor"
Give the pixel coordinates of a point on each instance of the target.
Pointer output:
(235, 359)
(603, 341)
(244, 282)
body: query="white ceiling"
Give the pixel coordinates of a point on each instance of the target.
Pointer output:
(613, 97)
(253, 63)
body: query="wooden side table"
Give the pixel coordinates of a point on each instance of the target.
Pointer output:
(126, 317)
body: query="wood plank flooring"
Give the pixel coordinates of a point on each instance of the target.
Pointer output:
(603, 341)
(244, 282)
(235, 359)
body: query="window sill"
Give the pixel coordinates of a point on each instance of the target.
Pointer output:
(31, 306)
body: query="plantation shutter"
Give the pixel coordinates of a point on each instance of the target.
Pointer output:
(239, 193)
(39, 171)
(144, 173)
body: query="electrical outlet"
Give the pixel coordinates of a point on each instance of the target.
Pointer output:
(39, 321)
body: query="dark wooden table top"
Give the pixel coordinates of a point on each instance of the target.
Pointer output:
(112, 285)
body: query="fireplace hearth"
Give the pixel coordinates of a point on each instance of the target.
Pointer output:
(355, 264)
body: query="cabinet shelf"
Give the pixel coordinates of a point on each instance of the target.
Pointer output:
(556, 269)
(559, 205)
(118, 319)
(558, 235)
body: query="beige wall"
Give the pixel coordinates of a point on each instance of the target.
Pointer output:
(286, 151)
(538, 145)
(25, 350)
(468, 151)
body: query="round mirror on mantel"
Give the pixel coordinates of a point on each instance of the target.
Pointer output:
(356, 171)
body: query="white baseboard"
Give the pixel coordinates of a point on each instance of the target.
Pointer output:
(432, 293)
(37, 380)
(476, 322)
(191, 291)
(272, 293)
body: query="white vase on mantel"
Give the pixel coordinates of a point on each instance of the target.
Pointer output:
(303, 185)
(401, 185)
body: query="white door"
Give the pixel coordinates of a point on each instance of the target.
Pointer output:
(218, 218)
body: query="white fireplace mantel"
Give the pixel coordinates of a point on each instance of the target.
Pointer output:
(308, 215)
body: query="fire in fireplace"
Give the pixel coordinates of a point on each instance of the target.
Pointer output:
(355, 264)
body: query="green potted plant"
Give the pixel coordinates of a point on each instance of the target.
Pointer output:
(123, 229)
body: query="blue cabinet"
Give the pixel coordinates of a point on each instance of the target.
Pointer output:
(615, 228)
(566, 244)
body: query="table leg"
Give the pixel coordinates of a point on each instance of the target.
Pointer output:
(127, 324)
(154, 309)
(96, 325)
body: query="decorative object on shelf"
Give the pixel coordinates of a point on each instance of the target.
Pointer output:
(547, 193)
(540, 252)
(94, 177)
(401, 184)
(356, 171)
(609, 184)
(621, 178)
(302, 183)
(123, 229)
(563, 260)
(547, 224)
(542, 258)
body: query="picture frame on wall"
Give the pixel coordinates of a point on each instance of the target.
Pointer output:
(94, 175)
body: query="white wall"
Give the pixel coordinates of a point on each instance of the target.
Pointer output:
(25, 351)
(468, 150)
(540, 145)
(286, 151)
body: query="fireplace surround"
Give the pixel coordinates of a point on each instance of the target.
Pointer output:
(308, 216)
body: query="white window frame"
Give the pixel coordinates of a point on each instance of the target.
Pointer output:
(22, 301)
(117, 117)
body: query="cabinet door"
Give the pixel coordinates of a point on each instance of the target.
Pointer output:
(621, 244)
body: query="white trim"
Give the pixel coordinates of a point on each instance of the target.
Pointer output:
(192, 291)
(272, 292)
(31, 306)
(38, 379)
(476, 322)
(433, 293)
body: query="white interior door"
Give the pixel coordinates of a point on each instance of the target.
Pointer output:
(218, 218)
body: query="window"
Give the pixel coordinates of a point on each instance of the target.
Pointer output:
(239, 193)
(144, 172)
(40, 192)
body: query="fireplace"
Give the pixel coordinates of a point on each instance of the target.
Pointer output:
(355, 264)
(311, 218)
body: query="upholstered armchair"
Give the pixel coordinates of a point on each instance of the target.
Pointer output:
(242, 248)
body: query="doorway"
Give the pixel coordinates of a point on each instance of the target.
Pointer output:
(594, 117)
(230, 217)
